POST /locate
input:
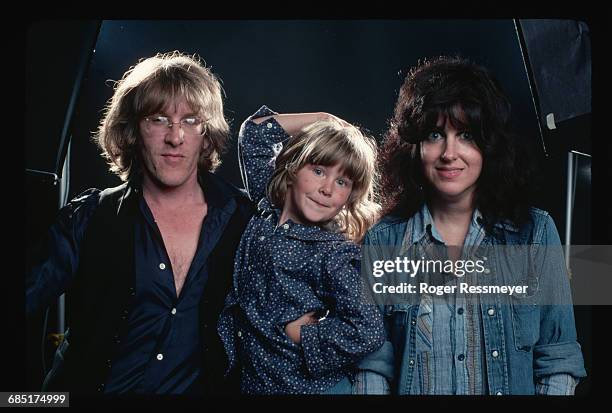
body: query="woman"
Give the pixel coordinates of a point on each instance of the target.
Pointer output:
(455, 187)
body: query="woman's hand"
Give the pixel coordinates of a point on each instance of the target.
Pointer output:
(292, 329)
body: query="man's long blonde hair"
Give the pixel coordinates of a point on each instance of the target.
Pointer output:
(145, 89)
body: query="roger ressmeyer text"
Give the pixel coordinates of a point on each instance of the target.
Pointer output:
(463, 288)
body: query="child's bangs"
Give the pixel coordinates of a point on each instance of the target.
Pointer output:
(345, 150)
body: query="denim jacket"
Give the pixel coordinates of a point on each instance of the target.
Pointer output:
(529, 344)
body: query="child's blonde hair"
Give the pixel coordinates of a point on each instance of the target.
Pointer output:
(327, 142)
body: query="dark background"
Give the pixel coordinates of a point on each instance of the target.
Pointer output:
(351, 68)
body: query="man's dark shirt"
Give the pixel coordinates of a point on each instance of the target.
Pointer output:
(160, 352)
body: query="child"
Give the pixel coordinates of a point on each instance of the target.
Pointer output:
(294, 321)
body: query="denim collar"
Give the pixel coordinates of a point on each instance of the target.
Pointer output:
(422, 224)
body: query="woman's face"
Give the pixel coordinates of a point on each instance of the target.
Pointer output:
(451, 162)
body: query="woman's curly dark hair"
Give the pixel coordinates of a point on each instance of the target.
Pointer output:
(468, 97)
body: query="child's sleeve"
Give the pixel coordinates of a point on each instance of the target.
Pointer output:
(354, 327)
(258, 147)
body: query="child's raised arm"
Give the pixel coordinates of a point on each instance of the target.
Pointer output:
(260, 141)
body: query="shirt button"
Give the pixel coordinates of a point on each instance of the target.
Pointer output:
(269, 125)
(487, 271)
(240, 334)
(173, 311)
(162, 266)
(411, 363)
(460, 357)
(484, 258)
(262, 238)
(491, 311)
(286, 226)
(460, 311)
(413, 322)
(160, 356)
(101, 387)
(495, 353)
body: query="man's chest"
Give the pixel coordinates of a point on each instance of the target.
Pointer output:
(180, 236)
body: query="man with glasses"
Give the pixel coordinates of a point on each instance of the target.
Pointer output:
(147, 265)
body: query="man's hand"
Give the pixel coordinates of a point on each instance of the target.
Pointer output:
(292, 329)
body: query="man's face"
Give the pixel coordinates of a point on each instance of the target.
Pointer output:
(170, 154)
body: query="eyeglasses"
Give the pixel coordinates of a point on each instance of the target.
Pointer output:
(191, 125)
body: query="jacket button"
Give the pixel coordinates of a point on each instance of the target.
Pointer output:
(101, 388)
